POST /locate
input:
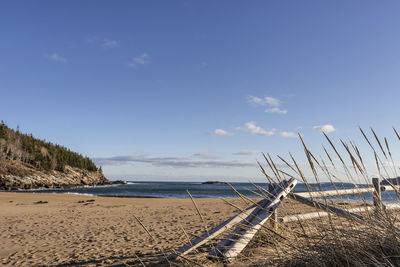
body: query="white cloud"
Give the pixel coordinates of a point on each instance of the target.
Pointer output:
(246, 152)
(254, 129)
(109, 43)
(276, 110)
(56, 57)
(182, 162)
(288, 134)
(142, 59)
(221, 132)
(327, 128)
(271, 101)
(204, 155)
(255, 100)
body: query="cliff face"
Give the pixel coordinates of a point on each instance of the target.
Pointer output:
(15, 175)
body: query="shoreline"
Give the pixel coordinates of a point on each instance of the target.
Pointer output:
(84, 194)
(35, 191)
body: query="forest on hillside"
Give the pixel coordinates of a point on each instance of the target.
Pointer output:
(40, 154)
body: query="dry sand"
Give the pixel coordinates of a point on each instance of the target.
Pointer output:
(70, 230)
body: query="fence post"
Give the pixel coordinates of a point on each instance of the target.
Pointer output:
(274, 216)
(377, 194)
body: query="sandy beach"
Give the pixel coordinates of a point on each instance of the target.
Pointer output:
(62, 230)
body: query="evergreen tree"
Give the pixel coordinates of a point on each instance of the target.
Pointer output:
(44, 155)
(3, 131)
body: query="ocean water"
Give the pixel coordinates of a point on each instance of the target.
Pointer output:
(199, 190)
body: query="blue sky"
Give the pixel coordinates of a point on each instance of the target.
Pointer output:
(188, 90)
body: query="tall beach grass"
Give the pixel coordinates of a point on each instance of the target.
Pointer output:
(332, 240)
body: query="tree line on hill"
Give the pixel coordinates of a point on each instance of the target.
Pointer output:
(43, 155)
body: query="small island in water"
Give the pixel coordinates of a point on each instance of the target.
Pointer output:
(214, 182)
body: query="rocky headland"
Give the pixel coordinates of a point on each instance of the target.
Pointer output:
(14, 176)
(29, 163)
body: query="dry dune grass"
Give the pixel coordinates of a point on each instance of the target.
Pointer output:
(331, 240)
(325, 242)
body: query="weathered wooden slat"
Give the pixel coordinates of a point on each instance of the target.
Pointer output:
(326, 207)
(226, 225)
(237, 240)
(353, 191)
(331, 193)
(318, 214)
(377, 196)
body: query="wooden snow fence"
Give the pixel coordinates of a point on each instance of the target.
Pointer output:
(238, 239)
(247, 223)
